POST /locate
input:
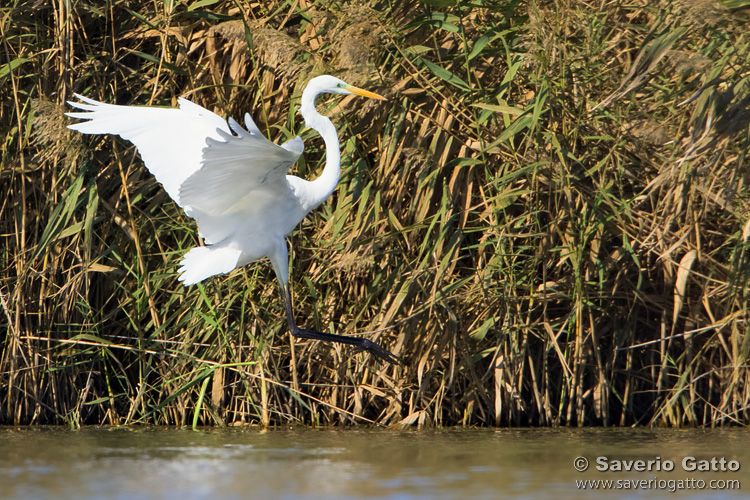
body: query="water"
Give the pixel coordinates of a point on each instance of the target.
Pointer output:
(248, 463)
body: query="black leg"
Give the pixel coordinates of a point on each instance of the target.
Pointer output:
(360, 344)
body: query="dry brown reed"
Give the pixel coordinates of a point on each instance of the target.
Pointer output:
(547, 222)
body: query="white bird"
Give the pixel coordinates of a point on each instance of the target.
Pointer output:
(233, 182)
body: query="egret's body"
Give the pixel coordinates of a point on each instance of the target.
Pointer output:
(233, 182)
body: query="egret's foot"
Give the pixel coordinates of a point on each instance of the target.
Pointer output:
(377, 351)
(359, 344)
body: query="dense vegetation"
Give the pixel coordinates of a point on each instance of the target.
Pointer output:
(548, 221)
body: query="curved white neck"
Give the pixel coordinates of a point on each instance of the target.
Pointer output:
(323, 186)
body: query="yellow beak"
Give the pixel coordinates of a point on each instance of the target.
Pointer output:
(365, 93)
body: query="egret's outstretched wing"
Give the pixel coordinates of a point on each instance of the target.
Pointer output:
(220, 179)
(170, 140)
(239, 173)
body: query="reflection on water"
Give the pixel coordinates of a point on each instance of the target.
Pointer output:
(158, 463)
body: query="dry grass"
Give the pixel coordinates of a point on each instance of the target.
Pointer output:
(548, 221)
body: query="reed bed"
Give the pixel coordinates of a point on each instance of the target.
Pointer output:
(548, 221)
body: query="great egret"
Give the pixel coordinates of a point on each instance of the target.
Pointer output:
(233, 184)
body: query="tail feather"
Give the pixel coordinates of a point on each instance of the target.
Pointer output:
(203, 262)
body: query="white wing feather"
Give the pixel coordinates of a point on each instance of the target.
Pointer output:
(170, 140)
(242, 183)
(236, 168)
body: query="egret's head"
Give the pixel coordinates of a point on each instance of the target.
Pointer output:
(332, 85)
